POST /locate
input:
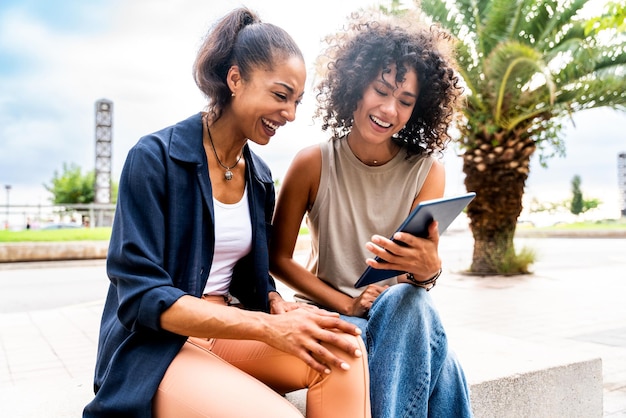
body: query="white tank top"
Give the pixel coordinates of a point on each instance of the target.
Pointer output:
(355, 201)
(233, 240)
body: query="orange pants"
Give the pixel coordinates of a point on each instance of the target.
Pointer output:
(243, 378)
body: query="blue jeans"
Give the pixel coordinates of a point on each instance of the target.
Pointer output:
(412, 373)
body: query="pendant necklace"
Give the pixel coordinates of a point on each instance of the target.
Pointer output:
(373, 163)
(228, 175)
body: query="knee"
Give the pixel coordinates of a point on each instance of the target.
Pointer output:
(359, 362)
(404, 309)
(403, 297)
(358, 365)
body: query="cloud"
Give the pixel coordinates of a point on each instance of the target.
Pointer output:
(58, 58)
(57, 63)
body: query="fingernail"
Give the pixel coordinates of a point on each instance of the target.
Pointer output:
(358, 353)
(357, 330)
(345, 366)
(327, 371)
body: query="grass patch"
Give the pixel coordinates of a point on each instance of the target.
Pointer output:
(70, 234)
(53, 235)
(504, 260)
(602, 225)
(516, 263)
(104, 233)
(586, 226)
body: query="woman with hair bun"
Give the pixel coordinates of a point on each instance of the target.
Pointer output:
(193, 325)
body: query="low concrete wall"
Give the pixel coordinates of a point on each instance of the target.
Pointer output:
(78, 250)
(511, 378)
(50, 251)
(70, 250)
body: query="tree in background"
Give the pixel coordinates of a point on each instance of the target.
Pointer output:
(579, 204)
(527, 66)
(576, 205)
(72, 186)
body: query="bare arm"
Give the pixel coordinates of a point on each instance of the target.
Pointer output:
(297, 194)
(298, 332)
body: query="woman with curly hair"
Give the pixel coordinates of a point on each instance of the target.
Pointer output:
(388, 98)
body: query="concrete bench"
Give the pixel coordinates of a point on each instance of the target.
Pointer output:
(511, 378)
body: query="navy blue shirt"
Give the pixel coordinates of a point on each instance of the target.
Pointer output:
(161, 248)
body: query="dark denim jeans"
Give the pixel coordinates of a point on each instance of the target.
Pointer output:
(412, 372)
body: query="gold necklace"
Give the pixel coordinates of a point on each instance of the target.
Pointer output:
(373, 163)
(228, 175)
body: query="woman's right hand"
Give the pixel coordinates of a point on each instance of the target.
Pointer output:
(303, 333)
(362, 304)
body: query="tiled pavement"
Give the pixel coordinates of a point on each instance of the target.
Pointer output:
(573, 302)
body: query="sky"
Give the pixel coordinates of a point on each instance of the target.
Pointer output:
(58, 58)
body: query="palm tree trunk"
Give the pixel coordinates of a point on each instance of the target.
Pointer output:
(497, 173)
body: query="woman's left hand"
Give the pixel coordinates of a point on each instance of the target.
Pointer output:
(418, 256)
(278, 305)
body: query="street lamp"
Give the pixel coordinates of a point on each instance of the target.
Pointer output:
(6, 224)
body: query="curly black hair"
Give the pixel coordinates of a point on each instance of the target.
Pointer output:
(354, 58)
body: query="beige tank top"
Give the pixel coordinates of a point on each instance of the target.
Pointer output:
(355, 201)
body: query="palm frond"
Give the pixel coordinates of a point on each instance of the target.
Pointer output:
(524, 60)
(499, 20)
(559, 21)
(441, 12)
(512, 69)
(582, 64)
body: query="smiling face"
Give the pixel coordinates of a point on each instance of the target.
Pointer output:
(267, 100)
(386, 106)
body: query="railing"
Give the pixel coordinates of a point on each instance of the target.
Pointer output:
(42, 216)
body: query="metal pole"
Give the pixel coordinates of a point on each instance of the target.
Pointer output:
(6, 223)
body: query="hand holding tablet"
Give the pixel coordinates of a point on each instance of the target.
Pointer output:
(443, 210)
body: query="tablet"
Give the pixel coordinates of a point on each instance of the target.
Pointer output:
(444, 211)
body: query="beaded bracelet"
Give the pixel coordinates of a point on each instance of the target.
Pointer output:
(426, 284)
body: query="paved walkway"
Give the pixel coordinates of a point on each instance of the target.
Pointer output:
(573, 301)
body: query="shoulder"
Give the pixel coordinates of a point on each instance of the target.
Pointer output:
(309, 155)
(306, 164)
(434, 183)
(303, 175)
(425, 162)
(181, 140)
(437, 169)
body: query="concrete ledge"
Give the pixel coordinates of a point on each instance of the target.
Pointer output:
(569, 390)
(50, 251)
(70, 250)
(510, 378)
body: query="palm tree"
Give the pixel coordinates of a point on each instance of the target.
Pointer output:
(527, 65)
